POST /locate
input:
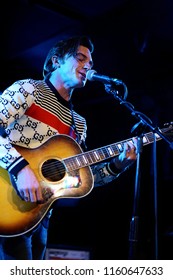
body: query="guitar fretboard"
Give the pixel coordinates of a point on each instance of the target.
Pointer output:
(106, 152)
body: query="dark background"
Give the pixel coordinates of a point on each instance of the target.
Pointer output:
(133, 42)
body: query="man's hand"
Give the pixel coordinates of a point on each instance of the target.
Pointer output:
(28, 185)
(127, 156)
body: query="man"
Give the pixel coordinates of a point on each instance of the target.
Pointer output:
(31, 112)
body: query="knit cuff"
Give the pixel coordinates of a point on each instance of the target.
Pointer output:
(17, 165)
(112, 169)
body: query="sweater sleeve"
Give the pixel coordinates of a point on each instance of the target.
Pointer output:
(103, 174)
(13, 103)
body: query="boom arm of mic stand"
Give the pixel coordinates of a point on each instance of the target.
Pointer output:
(138, 115)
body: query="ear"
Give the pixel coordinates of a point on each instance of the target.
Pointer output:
(55, 62)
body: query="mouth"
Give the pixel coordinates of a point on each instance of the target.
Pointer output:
(83, 75)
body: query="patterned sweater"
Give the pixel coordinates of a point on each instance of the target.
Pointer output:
(30, 113)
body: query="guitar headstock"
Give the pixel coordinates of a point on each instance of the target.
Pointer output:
(168, 130)
(169, 126)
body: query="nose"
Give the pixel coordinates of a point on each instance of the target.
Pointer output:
(87, 66)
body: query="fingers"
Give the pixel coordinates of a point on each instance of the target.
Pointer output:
(29, 193)
(130, 150)
(128, 147)
(28, 185)
(32, 195)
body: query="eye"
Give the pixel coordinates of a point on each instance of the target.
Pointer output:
(80, 57)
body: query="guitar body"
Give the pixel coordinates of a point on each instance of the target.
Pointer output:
(17, 216)
(58, 163)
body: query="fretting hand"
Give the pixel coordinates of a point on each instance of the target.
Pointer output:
(127, 156)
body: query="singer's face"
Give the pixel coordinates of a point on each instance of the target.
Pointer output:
(74, 68)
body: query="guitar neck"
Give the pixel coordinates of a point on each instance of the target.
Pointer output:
(103, 153)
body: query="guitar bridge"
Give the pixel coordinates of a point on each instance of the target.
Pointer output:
(46, 193)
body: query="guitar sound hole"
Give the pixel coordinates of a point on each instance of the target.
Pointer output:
(53, 170)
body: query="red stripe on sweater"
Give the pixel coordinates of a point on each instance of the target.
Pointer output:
(48, 118)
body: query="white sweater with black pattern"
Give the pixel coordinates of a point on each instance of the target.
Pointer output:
(30, 113)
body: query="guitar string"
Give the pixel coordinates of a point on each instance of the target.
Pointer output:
(52, 166)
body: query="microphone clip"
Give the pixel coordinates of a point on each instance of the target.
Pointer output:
(111, 88)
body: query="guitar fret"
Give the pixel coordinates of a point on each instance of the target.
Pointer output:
(70, 164)
(101, 154)
(78, 162)
(92, 157)
(120, 147)
(110, 151)
(149, 138)
(145, 140)
(106, 152)
(85, 159)
(89, 157)
(115, 149)
(82, 160)
(157, 136)
(96, 155)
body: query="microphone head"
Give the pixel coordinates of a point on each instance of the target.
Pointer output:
(90, 74)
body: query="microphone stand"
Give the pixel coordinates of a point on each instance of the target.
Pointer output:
(134, 224)
(137, 129)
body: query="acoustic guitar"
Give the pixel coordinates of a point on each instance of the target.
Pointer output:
(56, 163)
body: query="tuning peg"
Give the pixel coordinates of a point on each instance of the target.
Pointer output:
(168, 124)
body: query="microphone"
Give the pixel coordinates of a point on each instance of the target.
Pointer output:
(93, 76)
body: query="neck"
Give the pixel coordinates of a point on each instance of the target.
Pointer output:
(65, 92)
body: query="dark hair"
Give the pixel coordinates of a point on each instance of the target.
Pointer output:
(68, 46)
